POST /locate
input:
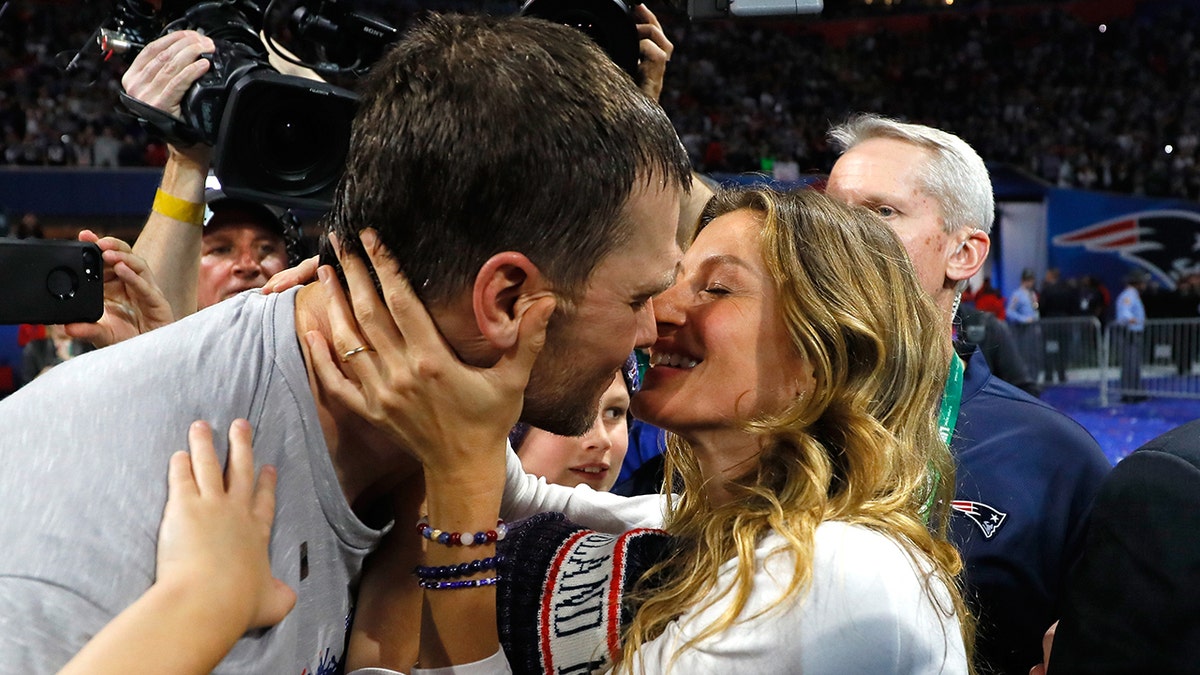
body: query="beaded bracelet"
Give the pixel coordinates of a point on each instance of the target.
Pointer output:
(460, 570)
(433, 585)
(460, 539)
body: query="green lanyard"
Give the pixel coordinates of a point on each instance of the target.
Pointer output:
(947, 419)
(951, 398)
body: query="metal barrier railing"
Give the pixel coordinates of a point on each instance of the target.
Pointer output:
(1071, 350)
(1163, 360)
(1159, 361)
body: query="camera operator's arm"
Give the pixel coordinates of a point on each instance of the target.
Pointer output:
(170, 240)
(656, 51)
(133, 303)
(655, 48)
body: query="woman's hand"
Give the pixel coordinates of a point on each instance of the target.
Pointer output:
(216, 529)
(133, 302)
(396, 371)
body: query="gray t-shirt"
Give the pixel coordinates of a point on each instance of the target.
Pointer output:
(83, 466)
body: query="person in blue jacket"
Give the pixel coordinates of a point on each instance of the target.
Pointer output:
(1023, 316)
(1027, 474)
(1130, 321)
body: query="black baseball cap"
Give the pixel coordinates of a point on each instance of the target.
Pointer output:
(277, 219)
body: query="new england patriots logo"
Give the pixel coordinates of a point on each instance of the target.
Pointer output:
(987, 518)
(1166, 243)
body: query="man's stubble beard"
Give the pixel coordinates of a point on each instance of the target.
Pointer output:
(558, 403)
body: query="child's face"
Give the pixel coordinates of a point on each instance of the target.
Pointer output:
(594, 458)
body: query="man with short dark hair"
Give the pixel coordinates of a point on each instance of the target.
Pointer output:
(503, 163)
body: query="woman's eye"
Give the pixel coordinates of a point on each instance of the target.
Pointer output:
(716, 290)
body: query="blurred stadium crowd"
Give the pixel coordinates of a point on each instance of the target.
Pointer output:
(1105, 107)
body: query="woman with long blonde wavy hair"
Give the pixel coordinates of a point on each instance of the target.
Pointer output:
(799, 368)
(855, 453)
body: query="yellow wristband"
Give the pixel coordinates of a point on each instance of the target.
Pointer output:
(178, 209)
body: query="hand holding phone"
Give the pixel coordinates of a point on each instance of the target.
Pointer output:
(133, 302)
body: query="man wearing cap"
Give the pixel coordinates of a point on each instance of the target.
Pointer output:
(208, 247)
(171, 241)
(1131, 326)
(244, 244)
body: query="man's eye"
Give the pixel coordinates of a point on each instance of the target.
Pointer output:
(885, 211)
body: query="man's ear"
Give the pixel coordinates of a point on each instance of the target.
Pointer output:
(972, 252)
(504, 287)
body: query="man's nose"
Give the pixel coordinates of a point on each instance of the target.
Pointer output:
(647, 328)
(246, 261)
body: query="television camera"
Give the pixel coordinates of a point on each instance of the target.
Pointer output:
(283, 139)
(276, 138)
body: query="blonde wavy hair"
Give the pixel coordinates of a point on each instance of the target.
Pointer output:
(862, 448)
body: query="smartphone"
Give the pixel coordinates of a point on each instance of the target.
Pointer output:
(46, 282)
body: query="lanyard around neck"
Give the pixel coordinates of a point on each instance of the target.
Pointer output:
(947, 420)
(951, 398)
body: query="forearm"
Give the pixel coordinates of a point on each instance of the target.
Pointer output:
(459, 624)
(387, 616)
(171, 247)
(180, 631)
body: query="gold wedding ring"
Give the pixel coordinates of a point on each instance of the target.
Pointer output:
(351, 352)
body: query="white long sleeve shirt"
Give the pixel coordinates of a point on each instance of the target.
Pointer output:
(868, 608)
